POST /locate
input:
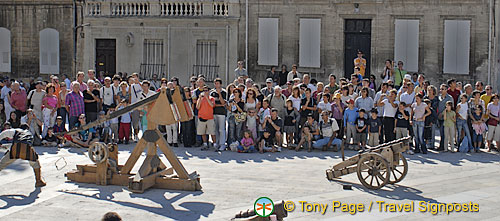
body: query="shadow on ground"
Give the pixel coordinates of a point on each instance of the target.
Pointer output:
(190, 211)
(19, 200)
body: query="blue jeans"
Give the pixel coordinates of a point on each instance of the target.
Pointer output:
(322, 142)
(476, 138)
(220, 129)
(418, 131)
(63, 113)
(441, 134)
(234, 130)
(462, 124)
(250, 149)
(432, 142)
(72, 121)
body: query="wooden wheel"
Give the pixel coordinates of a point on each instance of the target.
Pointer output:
(399, 171)
(98, 152)
(372, 171)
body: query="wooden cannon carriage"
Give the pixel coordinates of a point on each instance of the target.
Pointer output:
(377, 166)
(163, 108)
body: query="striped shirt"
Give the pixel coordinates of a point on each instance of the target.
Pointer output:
(75, 103)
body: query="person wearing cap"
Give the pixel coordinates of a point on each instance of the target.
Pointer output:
(268, 89)
(35, 98)
(350, 116)
(108, 94)
(399, 74)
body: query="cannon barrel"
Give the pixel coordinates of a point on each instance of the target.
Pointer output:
(279, 211)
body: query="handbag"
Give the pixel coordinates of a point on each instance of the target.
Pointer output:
(240, 117)
(492, 121)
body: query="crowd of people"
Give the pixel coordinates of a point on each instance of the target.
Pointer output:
(290, 111)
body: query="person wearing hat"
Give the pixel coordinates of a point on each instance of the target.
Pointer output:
(268, 89)
(350, 116)
(399, 74)
(21, 148)
(374, 128)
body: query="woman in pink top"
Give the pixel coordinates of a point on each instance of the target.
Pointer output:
(49, 108)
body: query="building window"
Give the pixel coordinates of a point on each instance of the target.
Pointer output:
(406, 43)
(309, 43)
(153, 61)
(456, 46)
(5, 62)
(268, 41)
(49, 51)
(206, 59)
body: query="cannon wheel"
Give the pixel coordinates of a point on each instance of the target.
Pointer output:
(372, 171)
(398, 172)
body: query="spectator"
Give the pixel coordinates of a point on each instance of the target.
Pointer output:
(360, 63)
(135, 92)
(449, 121)
(236, 107)
(288, 90)
(390, 106)
(247, 143)
(91, 98)
(493, 122)
(273, 124)
(361, 129)
(240, 71)
(34, 124)
(35, 99)
(79, 78)
(277, 100)
(374, 128)
(66, 81)
(13, 120)
(420, 111)
(364, 102)
(61, 102)
(274, 75)
(75, 105)
(125, 120)
(50, 140)
(107, 95)
(462, 110)
(17, 99)
(283, 75)
(453, 91)
(293, 73)
(269, 87)
(206, 124)
(111, 216)
(50, 108)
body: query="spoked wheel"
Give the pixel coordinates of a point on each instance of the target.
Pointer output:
(399, 171)
(373, 171)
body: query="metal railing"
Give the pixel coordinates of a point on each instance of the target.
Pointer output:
(209, 71)
(170, 8)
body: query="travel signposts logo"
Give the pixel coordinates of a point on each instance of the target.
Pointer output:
(263, 207)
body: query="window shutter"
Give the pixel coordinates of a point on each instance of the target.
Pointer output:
(309, 43)
(406, 43)
(49, 51)
(456, 46)
(268, 41)
(5, 51)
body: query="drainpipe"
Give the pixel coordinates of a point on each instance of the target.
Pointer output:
(246, 34)
(74, 36)
(227, 54)
(168, 52)
(489, 41)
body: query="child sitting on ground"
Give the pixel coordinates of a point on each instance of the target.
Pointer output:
(266, 143)
(247, 144)
(306, 139)
(50, 140)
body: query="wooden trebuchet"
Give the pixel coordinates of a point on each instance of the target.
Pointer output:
(153, 172)
(377, 166)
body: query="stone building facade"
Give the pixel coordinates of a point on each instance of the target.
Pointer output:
(28, 32)
(168, 38)
(336, 18)
(442, 39)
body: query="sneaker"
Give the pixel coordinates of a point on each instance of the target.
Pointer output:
(279, 149)
(222, 148)
(216, 147)
(410, 152)
(204, 146)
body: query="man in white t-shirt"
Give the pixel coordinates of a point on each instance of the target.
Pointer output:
(135, 93)
(390, 106)
(108, 94)
(328, 129)
(408, 97)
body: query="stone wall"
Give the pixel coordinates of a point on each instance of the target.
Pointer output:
(383, 14)
(25, 19)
